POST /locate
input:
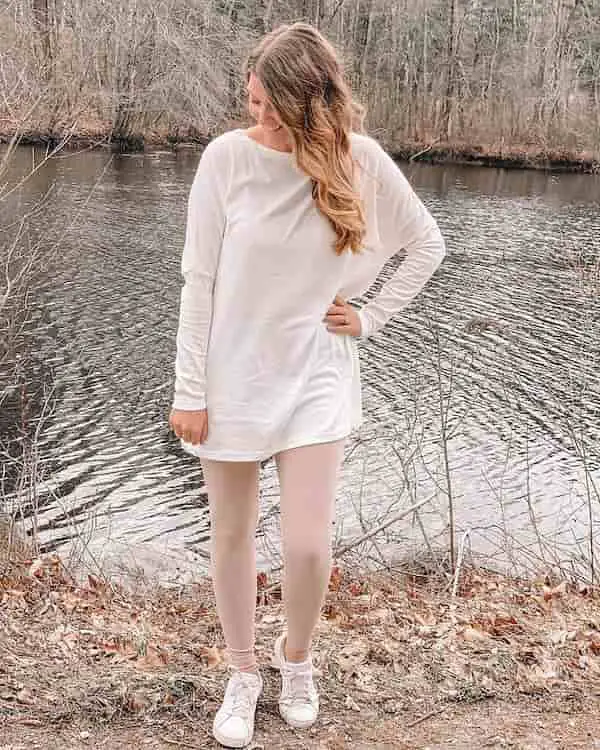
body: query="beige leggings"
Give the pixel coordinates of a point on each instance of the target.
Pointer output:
(307, 478)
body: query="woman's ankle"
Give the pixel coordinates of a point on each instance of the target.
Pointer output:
(243, 660)
(295, 655)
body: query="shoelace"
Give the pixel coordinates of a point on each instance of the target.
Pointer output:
(240, 698)
(299, 684)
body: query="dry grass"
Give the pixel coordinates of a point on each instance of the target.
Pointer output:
(399, 659)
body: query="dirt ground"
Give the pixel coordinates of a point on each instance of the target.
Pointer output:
(403, 661)
(492, 724)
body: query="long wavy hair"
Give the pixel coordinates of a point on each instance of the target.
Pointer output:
(302, 75)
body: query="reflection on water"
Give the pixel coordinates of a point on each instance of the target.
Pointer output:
(499, 355)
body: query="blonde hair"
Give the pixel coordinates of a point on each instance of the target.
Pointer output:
(302, 75)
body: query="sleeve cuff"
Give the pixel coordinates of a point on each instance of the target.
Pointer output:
(364, 323)
(185, 403)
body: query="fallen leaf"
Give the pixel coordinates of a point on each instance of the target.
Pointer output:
(499, 625)
(94, 583)
(334, 614)
(212, 655)
(64, 636)
(335, 578)
(594, 645)
(425, 619)
(555, 592)
(154, 658)
(261, 580)
(382, 614)
(474, 635)
(560, 637)
(97, 621)
(36, 569)
(119, 651)
(25, 696)
(545, 675)
(272, 619)
(137, 701)
(353, 655)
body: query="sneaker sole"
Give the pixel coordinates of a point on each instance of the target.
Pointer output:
(221, 739)
(297, 724)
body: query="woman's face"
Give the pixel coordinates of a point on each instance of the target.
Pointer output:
(260, 107)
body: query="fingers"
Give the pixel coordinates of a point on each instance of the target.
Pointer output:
(341, 318)
(195, 437)
(339, 323)
(337, 319)
(190, 430)
(336, 307)
(337, 314)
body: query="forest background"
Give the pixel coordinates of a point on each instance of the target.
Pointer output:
(501, 77)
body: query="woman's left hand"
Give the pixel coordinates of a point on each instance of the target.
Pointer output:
(342, 318)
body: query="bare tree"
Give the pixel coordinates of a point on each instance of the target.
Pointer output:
(524, 74)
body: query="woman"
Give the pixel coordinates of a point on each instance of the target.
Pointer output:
(286, 221)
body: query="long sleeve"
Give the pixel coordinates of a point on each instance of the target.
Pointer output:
(202, 247)
(403, 223)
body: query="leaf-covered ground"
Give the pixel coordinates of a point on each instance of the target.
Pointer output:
(403, 662)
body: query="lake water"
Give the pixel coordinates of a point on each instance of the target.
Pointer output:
(485, 390)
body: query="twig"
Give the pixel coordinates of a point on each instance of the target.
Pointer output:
(461, 551)
(430, 715)
(178, 743)
(424, 151)
(335, 10)
(381, 527)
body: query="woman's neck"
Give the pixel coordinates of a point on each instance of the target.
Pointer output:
(277, 140)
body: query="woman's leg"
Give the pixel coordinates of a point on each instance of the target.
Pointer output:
(308, 479)
(233, 500)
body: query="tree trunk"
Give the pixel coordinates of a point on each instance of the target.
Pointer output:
(450, 88)
(42, 25)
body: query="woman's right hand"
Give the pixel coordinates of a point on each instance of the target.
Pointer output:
(191, 426)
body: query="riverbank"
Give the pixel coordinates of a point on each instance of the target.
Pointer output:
(526, 156)
(404, 661)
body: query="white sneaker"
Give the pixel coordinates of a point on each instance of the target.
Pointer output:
(233, 725)
(299, 701)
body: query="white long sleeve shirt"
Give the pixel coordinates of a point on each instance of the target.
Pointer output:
(260, 272)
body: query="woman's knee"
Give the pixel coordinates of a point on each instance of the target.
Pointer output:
(311, 554)
(233, 529)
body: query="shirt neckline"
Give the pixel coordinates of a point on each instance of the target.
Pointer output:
(267, 149)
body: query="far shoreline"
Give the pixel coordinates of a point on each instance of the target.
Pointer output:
(528, 157)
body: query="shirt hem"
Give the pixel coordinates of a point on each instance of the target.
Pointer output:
(217, 455)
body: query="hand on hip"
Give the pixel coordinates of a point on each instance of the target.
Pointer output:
(342, 318)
